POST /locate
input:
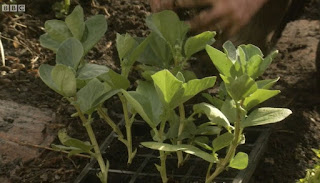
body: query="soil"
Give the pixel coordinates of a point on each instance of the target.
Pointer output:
(288, 155)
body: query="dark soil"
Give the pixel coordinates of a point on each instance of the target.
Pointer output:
(289, 153)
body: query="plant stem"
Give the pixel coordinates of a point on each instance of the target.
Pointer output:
(112, 124)
(87, 124)
(181, 128)
(231, 151)
(163, 171)
(128, 128)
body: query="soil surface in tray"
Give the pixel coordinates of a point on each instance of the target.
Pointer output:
(288, 155)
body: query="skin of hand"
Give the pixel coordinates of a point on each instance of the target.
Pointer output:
(228, 16)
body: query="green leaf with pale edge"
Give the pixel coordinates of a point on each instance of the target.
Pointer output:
(96, 27)
(70, 53)
(90, 71)
(87, 96)
(125, 45)
(240, 161)
(220, 60)
(213, 114)
(258, 97)
(160, 23)
(266, 115)
(208, 130)
(249, 51)
(45, 75)
(197, 43)
(57, 30)
(230, 50)
(75, 22)
(47, 42)
(267, 83)
(185, 148)
(65, 80)
(222, 141)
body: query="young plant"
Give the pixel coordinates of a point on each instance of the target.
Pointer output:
(168, 45)
(313, 175)
(88, 32)
(239, 93)
(156, 103)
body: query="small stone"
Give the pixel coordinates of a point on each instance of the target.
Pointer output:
(57, 177)
(5, 81)
(5, 68)
(18, 66)
(44, 177)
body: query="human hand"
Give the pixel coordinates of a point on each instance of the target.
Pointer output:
(228, 16)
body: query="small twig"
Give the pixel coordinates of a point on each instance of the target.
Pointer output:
(94, 4)
(2, 52)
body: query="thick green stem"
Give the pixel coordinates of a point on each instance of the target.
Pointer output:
(163, 157)
(181, 128)
(112, 124)
(128, 123)
(163, 171)
(103, 167)
(231, 151)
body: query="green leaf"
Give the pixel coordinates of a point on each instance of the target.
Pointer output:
(229, 109)
(76, 23)
(253, 66)
(45, 75)
(240, 161)
(96, 27)
(202, 141)
(208, 130)
(230, 50)
(157, 52)
(70, 53)
(265, 115)
(90, 71)
(213, 114)
(266, 84)
(197, 43)
(213, 100)
(240, 87)
(258, 97)
(222, 141)
(65, 80)
(195, 86)
(168, 87)
(180, 76)
(57, 30)
(87, 96)
(185, 148)
(160, 23)
(267, 61)
(75, 143)
(220, 60)
(125, 45)
(115, 80)
(47, 42)
(146, 102)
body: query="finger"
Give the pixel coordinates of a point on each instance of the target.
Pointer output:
(192, 3)
(203, 19)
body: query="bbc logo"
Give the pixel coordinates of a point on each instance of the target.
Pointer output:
(13, 8)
